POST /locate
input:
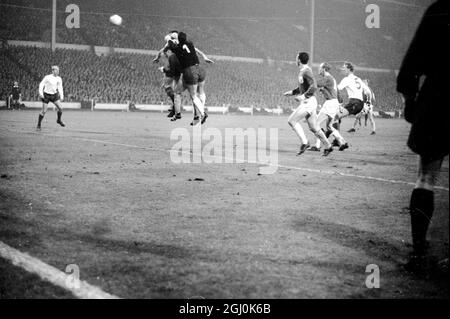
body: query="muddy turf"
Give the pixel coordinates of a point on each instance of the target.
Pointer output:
(103, 193)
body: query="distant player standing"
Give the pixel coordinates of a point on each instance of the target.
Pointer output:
(16, 96)
(305, 94)
(51, 90)
(327, 86)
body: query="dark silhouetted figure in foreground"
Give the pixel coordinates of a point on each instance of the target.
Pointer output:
(423, 80)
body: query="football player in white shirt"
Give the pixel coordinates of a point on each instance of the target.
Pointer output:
(51, 90)
(355, 88)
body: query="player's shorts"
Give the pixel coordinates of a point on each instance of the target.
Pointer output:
(50, 98)
(428, 135)
(354, 106)
(194, 74)
(170, 81)
(308, 105)
(330, 108)
(167, 82)
(179, 85)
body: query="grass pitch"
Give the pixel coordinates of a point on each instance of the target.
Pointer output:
(103, 194)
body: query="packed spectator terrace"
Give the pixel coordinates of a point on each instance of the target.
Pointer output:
(272, 30)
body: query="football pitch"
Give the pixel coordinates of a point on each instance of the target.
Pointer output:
(103, 194)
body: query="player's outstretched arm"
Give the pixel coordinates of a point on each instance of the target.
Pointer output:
(207, 60)
(295, 91)
(158, 56)
(160, 53)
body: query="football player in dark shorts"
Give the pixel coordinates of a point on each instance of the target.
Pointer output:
(51, 90)
(354, 106)
(428, 112)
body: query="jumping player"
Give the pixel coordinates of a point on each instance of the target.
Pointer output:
(193, 74)
(327, 86)
(51, 90)
(305, 94)
(173, 83)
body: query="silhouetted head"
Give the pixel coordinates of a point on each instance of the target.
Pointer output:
(182, 37)
(302, 58)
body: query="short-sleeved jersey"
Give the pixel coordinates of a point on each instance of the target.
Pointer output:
(51, 85)
(327, 85)
(186, 54)
(307, 83)
(354, 86)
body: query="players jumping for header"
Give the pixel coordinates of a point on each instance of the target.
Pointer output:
(173, 83)
(51, 90)
(193, 74)
(305, 94)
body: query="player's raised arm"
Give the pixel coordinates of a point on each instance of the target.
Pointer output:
(160, 52)
(207, 60)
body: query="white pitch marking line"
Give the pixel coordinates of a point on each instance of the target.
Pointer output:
(312, 170)
(51, 274)
(379, 179)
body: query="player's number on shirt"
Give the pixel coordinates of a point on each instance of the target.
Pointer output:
(185, 47)
(358, 84)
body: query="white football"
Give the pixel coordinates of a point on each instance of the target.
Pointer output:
(115, 19)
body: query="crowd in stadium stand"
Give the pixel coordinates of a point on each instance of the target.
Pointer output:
(279, 39)
(119, 78)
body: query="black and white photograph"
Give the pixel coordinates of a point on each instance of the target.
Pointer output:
(248, 151)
